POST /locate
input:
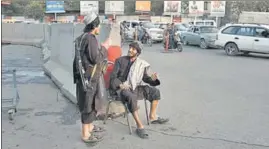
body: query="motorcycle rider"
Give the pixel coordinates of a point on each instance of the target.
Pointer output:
(123, 27)
(172, 35)
(140, 31)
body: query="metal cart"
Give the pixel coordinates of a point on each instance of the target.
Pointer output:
(11, 103)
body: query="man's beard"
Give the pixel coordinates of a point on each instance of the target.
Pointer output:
(96, 33)
(132, 55)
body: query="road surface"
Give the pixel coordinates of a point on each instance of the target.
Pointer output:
(212, 100)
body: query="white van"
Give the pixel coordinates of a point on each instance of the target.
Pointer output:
(203, 23)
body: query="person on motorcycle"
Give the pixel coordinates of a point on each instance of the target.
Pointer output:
(169, 34)
(178, 41)
(123, 28)
(173, 38)
(172, 35)
(140, 31)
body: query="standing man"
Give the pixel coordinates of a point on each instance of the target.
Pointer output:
(87, 70)
(113, 21)
(141, 31)
(123, 33)
(173, 31)
(167, 33)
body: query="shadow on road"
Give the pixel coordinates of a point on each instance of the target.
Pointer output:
(253, 56)
(198, 47)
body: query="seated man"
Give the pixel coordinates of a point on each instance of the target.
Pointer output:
(129, 80)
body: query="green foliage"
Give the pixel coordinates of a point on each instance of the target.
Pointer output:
(73, 5)
(129, 7)
(15, 8)
(34, 9)
(157, 7)
(28, 8)
(258, 6)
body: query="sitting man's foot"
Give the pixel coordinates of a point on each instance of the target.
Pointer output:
(141, 132)
(98, 129)
(159, 120)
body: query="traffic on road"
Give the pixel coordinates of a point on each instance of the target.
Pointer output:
(233, 39)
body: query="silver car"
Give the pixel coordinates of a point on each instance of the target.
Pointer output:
(155, 32)
(204, 36)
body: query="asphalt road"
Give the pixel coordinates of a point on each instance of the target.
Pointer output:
(213, 101)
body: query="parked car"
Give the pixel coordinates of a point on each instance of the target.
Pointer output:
(163, 26)
(180, 27)
(155, 32)
(186, 25)
(204, 36)
(244, 38)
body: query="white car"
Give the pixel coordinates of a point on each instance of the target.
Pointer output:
(155, 32)
(243, 38)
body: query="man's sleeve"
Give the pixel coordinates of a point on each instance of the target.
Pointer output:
(114, 81)
(95, 54)
(147, 79)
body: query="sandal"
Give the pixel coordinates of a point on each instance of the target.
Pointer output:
(93, 139)
(98, 129)
(160, 121)
(142, 133)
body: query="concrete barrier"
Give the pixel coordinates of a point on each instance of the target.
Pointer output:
(57, 43)
(22, 33)
(78, 29)
(59, 66)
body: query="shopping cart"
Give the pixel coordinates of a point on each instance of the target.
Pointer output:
(11, 103)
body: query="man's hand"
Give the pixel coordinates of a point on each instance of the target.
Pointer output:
(124, 86)
(154, 76)
(107, 43)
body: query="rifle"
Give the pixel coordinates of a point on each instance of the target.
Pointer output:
(85, 81)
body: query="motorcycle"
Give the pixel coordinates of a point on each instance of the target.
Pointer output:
(176, 44)
(146, 39)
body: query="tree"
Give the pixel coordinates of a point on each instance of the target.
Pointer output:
(28, 8)
(35, 10)
(184, 7)
(15, 8)
(157, 7)
(102, 7)
(129, 7)
(73, 5)
(257, 6)
(234, 8)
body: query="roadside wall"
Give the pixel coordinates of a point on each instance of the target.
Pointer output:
(57, 43)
